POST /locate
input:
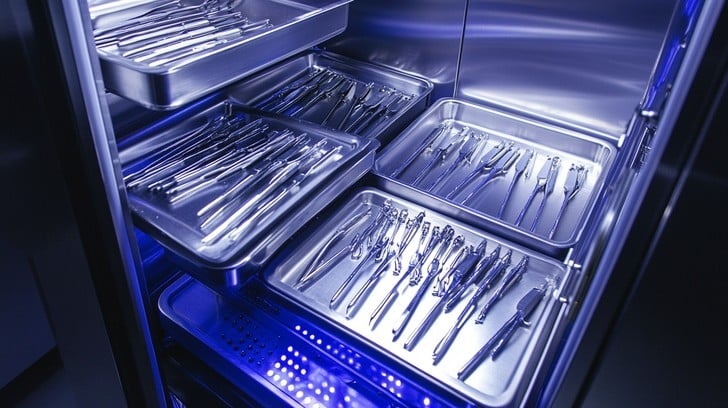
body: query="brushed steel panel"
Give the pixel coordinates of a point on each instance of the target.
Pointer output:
(414, 36)
(583, 63)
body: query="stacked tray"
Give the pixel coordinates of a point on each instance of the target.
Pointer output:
(164, 54)
(254, 350)
(462, 282)
(338, 93)
(225, 185)
(527, 181)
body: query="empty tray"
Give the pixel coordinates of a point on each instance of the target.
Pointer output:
(493, 381)
(226, 185)
(347, 98)
(504, 191)
(258, 353)
(164, 54)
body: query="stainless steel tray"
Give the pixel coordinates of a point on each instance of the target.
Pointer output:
(264, 86)
(257, 353)
(496, 127)
(343, 159)
(204, 61)
(495, 382)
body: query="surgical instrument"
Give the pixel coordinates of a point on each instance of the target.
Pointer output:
(540, 185)
(465, 153)
(340, 232)
(574, 182)
(442, 129)
(499, 168)
(500, 339)
(484, 165)
(548, 189)
(509, 280)
(356, 104)
(521, 166)
(440, 154)
(461, 271)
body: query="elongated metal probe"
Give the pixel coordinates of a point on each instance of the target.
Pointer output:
(440, 154)
(574, 181)
(410, 230)
(548, 189)
(461, 271)
(415, 261)
(340, 232)
(486, 163)
(444, 343)
(521, 166)
(378, 272)
(435, 268)
(509, 281)
(500, 339)
(344, 285)
(440, 130)
(345, 94)
(356, 104)
(499, 168)
(464, 155)
(541, 180)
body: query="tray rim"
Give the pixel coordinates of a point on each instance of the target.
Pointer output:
(552, 247)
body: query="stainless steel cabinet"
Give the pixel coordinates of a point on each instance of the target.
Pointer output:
(599, 96)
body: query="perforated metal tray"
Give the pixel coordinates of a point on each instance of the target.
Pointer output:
(256, 352)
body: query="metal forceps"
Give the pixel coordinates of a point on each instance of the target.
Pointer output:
(500, 339)
(320, 95)
(381, 245)
(574, 181)
(153, 15)
(410, 230)
(436, 266)
(304, 92)
(280, 158)
(271, 202)
(493, 274)
(520, 169)
(394, 105)
(426, 144)
(274, 182)
(287, 90)
(541, 181)
(481, 267)
(550, 183)
(499, 168)
(367, 110)
(323, 267)
(512, 277)
(440, 154)
(460, 272)
(391, 253)
(345, 94)
(356, 104)
(423, 251)
(464, 155)
(486, 163)
(340, 232)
